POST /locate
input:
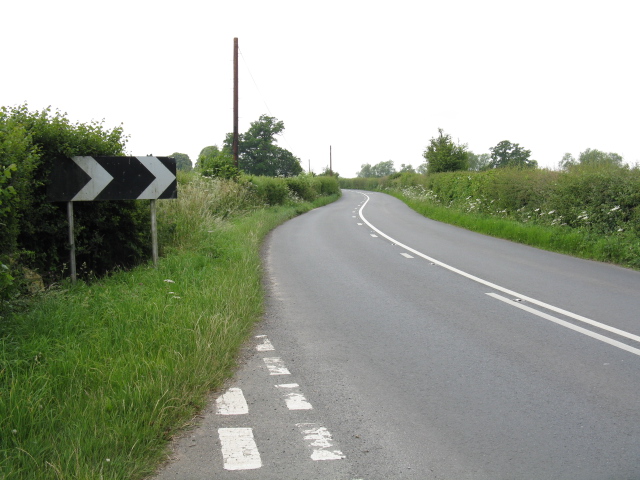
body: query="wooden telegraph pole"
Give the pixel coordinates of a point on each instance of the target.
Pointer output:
(235, 102)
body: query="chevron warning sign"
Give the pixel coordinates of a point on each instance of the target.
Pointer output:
(113, 178)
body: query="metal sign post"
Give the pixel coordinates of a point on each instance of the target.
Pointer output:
(72, 241)
(154, 234)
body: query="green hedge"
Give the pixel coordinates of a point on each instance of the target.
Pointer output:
(34, 233)
(602, 200)
(306, 187)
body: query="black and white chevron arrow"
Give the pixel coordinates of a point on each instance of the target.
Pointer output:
(113, 178)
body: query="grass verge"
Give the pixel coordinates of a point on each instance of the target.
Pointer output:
(621, 249)
(95, 379)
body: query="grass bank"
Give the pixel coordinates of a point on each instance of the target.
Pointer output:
(621, 249)
(96, 378)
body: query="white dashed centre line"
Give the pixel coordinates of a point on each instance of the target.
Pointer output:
(293, 398)
(319, 441)
(276, 366)
(265, 346)
(232, 403)
(373, 235)
(406, 255)
(239, 449)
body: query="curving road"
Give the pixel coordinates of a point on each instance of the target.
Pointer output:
(424, 351)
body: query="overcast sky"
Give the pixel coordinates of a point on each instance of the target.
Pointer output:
(375, 80)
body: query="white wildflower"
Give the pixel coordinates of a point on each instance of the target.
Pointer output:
(169, 281)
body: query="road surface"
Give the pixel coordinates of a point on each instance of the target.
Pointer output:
(396, 347)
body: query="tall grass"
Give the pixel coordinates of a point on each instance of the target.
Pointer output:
(95, 379)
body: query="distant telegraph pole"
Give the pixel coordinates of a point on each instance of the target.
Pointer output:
(235, 101)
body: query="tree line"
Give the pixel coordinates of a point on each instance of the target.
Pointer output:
(258, 154)
(442, 154)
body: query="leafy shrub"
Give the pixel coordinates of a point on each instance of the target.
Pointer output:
(303, 187)
(212, 162)
(17, 161)
(108, 234)
(600, 198)
(327, 185)
(272, 191)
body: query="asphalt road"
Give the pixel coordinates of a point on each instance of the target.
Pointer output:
(418, 350)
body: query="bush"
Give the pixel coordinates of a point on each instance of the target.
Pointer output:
(108, 234)
(272, 191)
(328, 185)
(303, 187)
(599, 198)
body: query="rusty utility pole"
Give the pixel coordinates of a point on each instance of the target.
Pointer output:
(235, 102)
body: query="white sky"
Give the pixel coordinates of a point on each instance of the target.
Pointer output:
(374, 80)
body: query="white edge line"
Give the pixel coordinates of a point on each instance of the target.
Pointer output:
(239, 449)
(232, 402)
(276, 366)
(553, 319)
(561, 311)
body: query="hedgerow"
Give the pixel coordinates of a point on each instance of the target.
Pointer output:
(34, 233)
(599, 204)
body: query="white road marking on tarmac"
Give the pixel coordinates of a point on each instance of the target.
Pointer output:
(406, 255)
(276, 366)
(553, 319)
(265, 346)
(319, 441)
(293, 398)
(239, 449)
(232, 402)
(547, 306)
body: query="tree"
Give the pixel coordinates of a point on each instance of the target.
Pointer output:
(567, 161)
(214, 162)
(478, 162)
(406, 169)
(327, 172)
(597, 157)
(365, 171)
(183, 162)
(383, 169)
(258, 153)
(442, 155)
(507, 154)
